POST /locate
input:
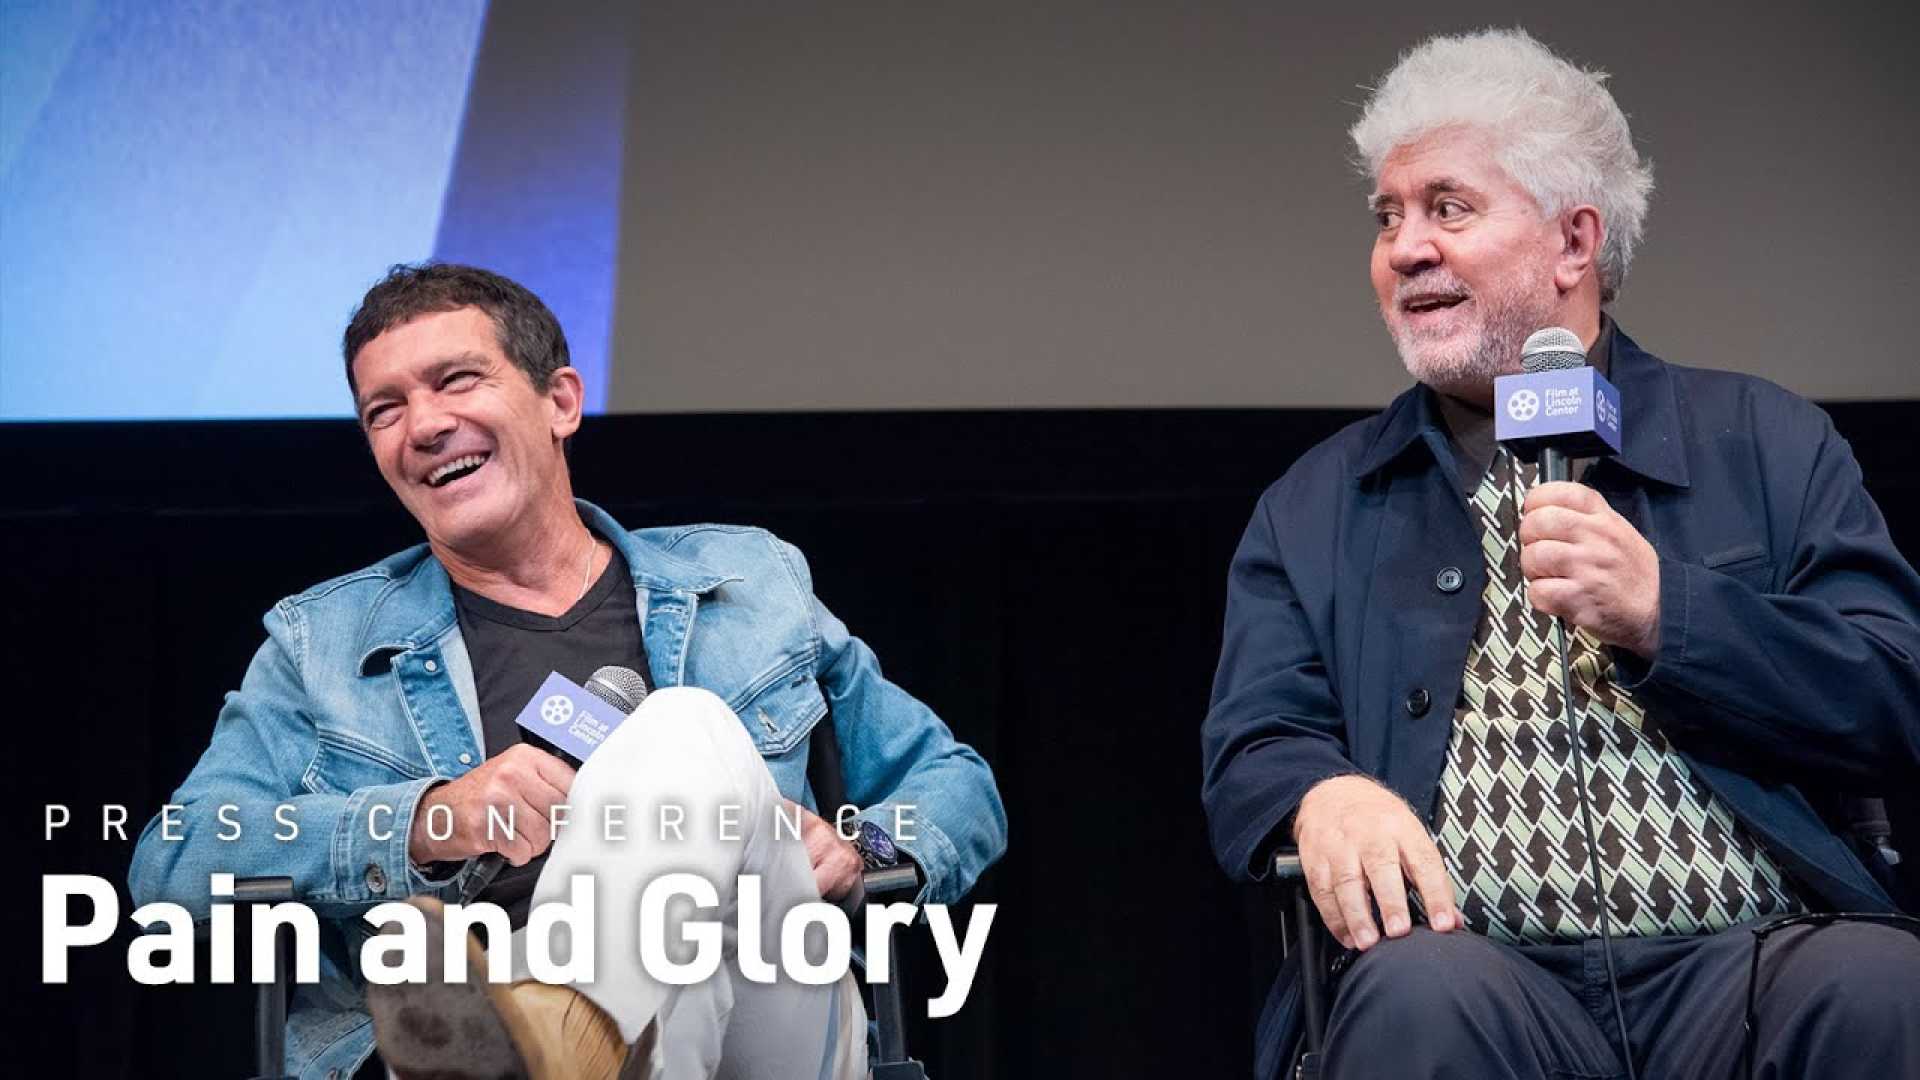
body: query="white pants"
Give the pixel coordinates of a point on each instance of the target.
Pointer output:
(685, 748)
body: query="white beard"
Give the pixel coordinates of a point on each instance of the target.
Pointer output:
(1465, 363)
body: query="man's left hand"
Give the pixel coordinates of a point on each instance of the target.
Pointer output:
(836, 864)
(1590, 566)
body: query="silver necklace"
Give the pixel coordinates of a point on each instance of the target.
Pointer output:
(586, 572)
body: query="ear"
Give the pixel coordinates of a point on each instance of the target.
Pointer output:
(569, 396)
(1581, 234)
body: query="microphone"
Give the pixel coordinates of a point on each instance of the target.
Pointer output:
(1557, 407)
(621, 687)
(554, 705)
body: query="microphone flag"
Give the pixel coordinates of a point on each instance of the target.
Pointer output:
(1573, 410)
(563, 713)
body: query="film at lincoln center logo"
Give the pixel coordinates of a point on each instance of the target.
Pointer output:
(1523, 405)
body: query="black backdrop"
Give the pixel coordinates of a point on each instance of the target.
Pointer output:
(1051, 582)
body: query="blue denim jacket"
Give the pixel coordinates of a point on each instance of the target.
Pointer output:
(363, 696)
(1789, 656)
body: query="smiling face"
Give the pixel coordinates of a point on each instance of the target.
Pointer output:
(1465, 265)
(461, 435)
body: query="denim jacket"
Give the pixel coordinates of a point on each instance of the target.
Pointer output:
(363, 696)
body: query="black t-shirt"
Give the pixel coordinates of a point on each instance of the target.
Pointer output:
(513, 652)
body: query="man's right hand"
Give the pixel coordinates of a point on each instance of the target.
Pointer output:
(526, 778)
(1356, 840)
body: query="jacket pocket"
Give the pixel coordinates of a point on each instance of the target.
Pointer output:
(343, 764)
(780, 708)
(1747, 564)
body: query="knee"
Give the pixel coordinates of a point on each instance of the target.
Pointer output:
(679, 718)
(1856, 978)
(1429, 1004)
(1417, 979)
(685, 705)
(683, 736)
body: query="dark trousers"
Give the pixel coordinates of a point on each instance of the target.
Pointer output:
(1837, 1001)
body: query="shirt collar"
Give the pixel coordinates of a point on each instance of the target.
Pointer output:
(1652, 442)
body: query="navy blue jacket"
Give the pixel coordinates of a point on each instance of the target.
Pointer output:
(1788, 672)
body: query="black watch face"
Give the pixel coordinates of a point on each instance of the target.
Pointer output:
(876, 845)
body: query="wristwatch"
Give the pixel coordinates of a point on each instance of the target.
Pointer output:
(875, 847)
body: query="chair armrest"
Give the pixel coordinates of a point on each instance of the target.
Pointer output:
(1286, 865)
(270, 998)
(1300, 922)
(889, 1013)
(262, 890)
(893, 879)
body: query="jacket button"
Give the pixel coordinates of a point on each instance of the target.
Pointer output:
(1418, 701)
(1449, 580)
(376, 879)
(431, 667)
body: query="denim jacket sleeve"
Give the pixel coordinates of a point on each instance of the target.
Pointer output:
(898, 754)
(350, 850)
(1274, 728)
(1820, 671)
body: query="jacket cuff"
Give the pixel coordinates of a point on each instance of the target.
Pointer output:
(1274, 829)
(369, 845)
(1631, 670)
(930, 850)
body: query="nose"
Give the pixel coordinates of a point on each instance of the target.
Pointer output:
(427, 423)
(1413, 248)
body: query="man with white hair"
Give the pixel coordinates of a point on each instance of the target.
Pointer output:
(1745, 654)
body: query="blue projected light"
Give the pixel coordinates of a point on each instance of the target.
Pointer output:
(536, 185)
(192, 199)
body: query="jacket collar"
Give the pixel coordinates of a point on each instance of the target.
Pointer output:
(1653, 427)
(416, 606)
(1653, 430)
(652, 568)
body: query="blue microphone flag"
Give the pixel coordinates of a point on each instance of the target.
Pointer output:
(1573, 410)
(566, 715)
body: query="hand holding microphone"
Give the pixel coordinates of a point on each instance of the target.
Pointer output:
(524, 778)
(1588, 565)
(1583, 562)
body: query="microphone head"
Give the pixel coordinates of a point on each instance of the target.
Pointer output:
(1558, 402)
(1552, 349)
(620, 687)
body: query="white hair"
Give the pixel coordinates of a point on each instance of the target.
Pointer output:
(1555, 129)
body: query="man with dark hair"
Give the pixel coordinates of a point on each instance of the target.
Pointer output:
(387, 700)
(529, 334)
(1745, 655)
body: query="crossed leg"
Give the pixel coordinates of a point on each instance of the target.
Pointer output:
(683, 749)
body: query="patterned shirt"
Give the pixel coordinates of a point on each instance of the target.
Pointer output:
(1674, 860)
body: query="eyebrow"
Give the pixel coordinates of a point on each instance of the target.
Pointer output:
(433, 373)
(1439, 185)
